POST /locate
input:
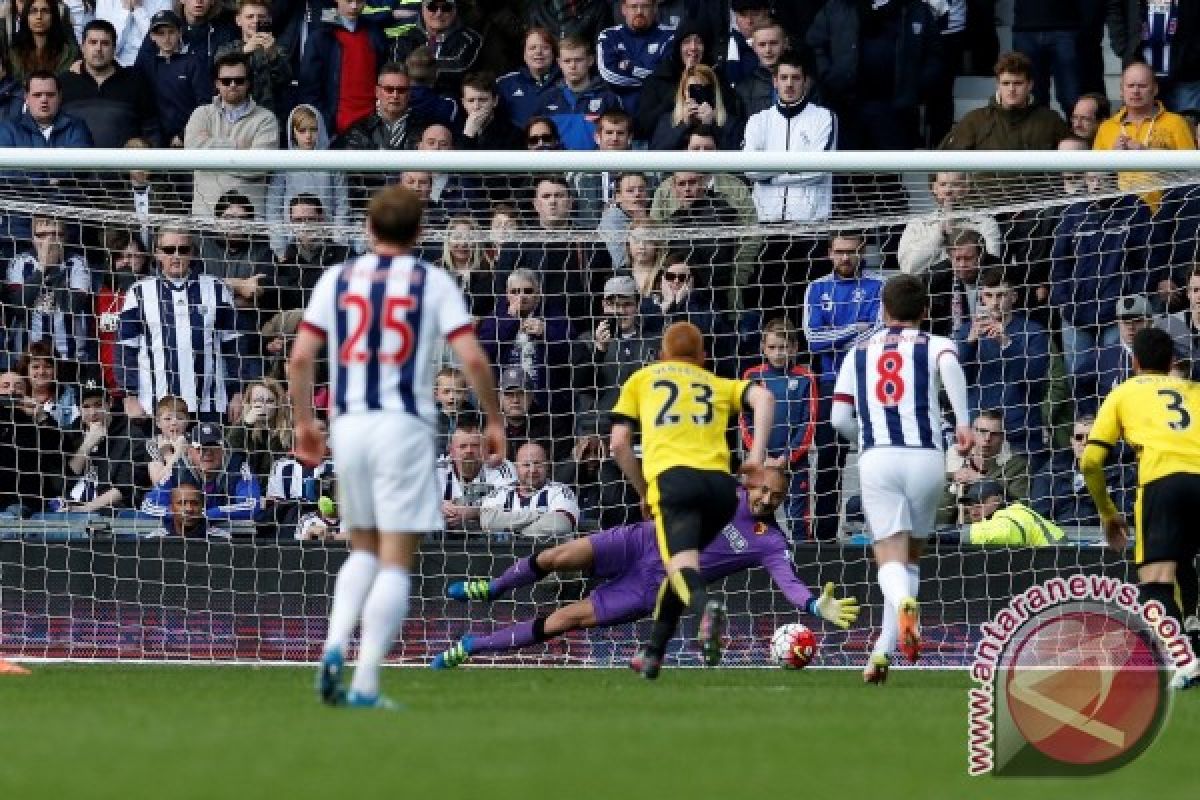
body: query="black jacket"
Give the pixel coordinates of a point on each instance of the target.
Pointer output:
(1125, 34)
(115, 111)
(658, 91)
(455, 56)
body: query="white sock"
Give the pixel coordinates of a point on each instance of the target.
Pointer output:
(350, 589)
(893, 580)
(382, 616)
(890, 632)
(914, 580)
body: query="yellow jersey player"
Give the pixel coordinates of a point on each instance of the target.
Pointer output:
(1156, 413)
(682, 411)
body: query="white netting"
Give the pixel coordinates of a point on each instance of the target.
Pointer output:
(86, 571)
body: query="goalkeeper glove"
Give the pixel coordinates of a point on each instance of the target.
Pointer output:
(840, 611)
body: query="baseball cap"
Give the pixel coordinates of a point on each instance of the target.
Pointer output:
(979, 491)
(92, 388)
(207, 434)
(166, 17)
(1134, 306)
(620, 285)
(514, 378)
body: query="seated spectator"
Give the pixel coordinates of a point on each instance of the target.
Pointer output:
(295, 490)
(740, 57)
(306, 131)
(454, 46)
(47, 295)
(1090, 110)
(179, 79)
(583, 19)
(924, 240)
(156, 456)
(690, 48)
(341, 58)
(206, 28)
(309, 251)
(99, 466)
(795, 392)
(145, 194)
(630, 203)
(232, 121)
(1060, 493)
(31, 465)
(270, 67)
(711, 257)
(604, 498)
(579, 98)
(113, 101)
(523, 91)
(264, 434)
(229, 495)
(1113, 363)
(996, 522)
(277, 335)
(680, 301)
(12, 92)
(499, 251)
(132, 22)
(630, 52)
(239, 259)
(618, 346)
(534, 506)
(989, 459)
(464, 477)
(426, 102)
(756, 90)
(487, 126)
(51, 383)
(42, 41)
(392, 125)
(954, 283)
(644, 251)
(433, 216)
(463, 258)
(1184, 327)
(593, 191)
(529, 330)
(1006, 358)
(451, 397)
(700, 99)
(43, 124)
(186, 518)
(522, 424)
(452, 193)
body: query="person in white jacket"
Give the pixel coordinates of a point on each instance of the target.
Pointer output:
(131, 18)
(923, 242)
(792, 124)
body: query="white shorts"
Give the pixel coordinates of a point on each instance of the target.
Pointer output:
(901, 489)
(386, 473)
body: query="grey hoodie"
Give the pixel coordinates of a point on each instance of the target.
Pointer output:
(329, 187)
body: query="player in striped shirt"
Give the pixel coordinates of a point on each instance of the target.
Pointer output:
(382, 318)
(887, 395)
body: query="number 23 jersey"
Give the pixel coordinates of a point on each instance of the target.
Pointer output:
(893, 382)
(683, 412)
(1156, 414)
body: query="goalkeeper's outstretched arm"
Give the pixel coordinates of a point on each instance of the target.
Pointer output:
(842, 612)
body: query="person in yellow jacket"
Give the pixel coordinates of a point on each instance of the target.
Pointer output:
(992, 523)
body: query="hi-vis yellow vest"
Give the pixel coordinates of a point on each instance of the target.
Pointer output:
(1016, 526)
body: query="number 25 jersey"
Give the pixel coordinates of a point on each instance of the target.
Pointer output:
(683, 412)
(383, 318)
(893, 382)
(1157, 415)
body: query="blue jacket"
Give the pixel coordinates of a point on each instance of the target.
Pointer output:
(522, 95)
(204, 40)
(67, 131)
(1013, 378)
(795, 391)
(1060, 494)
(576, 114)
(232, 496)
(320, 71)
(547, 359)
(1111, 366)
(627, 58)
(12, 99)
(181, 83)
(837, 313)
(1101, 252)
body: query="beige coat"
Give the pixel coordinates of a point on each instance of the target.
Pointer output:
(209, 128)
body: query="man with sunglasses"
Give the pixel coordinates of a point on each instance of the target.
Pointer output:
(1060, 493)
(232, 121)
(454, 46)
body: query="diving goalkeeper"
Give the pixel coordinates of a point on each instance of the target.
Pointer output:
(626, 561)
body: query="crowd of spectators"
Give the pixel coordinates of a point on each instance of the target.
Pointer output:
(142, 363)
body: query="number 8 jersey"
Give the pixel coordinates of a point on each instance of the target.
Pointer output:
(383, 319)
(893, 380)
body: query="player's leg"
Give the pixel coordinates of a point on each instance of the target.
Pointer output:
(576, 554)
(575, 616)
(383, 613)
(1187, 583)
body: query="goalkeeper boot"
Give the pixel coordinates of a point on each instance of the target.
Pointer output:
(712, 631)
(377, 702)
(908, 620)
(1186, 677)
(470, 589)
(329, 677)
(877, 669)
(1191, 628)
(646, 663)
(460, 653)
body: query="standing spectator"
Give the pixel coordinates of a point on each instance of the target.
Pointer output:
(989, 459)
(264, 433)
(954, 282)
(231, 493)
(1011, 120)
(534, 506)
(1164, 34)
(711, 257)
(924, 240)
(233, 121)
(451, 193)
(1184, 326)
(486, 126)
(630, 204)
(700, 99)
(131, 20)
(127, 263)
(523, 92)
(689, 49)
(43, 124)
(424, 99)
(1090, 110)
(202, 368)
(43, 41)
(575, 103)
(620, 344)
(629, 52)
(99, 468)
(179, 79)
(240, 260)
(310, 250)
(113, 101)
(270, 70)
(756, 90)
(839, 310)
(454, 46)
(464, 476)
(204, 30)
(594, 190)
(306, 131)
(796, 406)
(582, 19)
(1060, 492)
(343, 55)
(740, 60)
(1048, 35)
(1006, 358)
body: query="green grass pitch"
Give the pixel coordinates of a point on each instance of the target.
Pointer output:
(98, 731)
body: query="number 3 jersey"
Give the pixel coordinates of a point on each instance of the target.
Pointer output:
(1155, 415)
(893, 381)
(383, 318)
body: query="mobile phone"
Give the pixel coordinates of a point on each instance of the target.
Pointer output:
(701, 94)
(264, 26)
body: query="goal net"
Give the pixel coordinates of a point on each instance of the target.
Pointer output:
(150, 507)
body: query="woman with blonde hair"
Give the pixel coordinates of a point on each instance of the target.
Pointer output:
(265, 431)
(700, 99)
(645, 249)
(464, 256)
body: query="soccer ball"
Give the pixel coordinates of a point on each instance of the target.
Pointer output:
(793, 646)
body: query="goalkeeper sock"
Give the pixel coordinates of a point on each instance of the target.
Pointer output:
(383, 614)
(914, 580)
(893, 580)
(666, 618)
(512, 637)
(350, 590)
(1164, 593)
(523, 572)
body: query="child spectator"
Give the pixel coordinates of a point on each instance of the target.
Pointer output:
(338, 68)
(156, 456)
(306, 131)
(99, 470)
(265, 433)
(229, 494)
(179, 78)
(795, 393)
(451, 396)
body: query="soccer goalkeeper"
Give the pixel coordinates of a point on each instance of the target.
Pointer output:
(627, 562)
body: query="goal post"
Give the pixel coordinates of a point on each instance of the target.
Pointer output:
(94, 560)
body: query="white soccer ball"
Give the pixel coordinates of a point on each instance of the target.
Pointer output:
(793, 646)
